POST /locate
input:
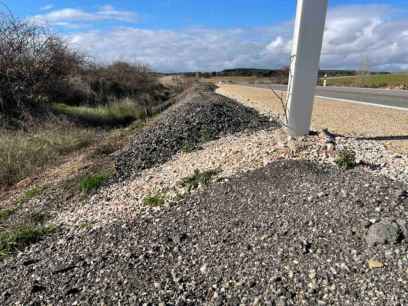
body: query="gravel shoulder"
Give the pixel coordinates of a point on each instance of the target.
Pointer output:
(387, 126)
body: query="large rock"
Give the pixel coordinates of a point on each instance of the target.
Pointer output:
(385, 232)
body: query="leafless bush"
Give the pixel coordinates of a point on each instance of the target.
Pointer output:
(37, 66)
(31, 60)
(119, 80)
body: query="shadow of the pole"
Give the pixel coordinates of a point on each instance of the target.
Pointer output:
(384, 138)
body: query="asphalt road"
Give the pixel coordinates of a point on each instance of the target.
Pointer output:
(383, 97)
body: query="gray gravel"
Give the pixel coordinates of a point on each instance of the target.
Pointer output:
(199, 116)
(293, 232)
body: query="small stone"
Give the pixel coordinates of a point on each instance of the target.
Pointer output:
(204, 269)
(375, 264)
(312, 274)
(157, 285)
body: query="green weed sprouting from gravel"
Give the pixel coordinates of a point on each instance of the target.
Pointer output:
(6, 213)
(19, 238)
(346, 159)
(92, 182)
(30, 194)
(199, 178)
(205, 135)
(188, 148)
(155, 200)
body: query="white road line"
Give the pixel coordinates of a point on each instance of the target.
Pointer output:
(363, 103)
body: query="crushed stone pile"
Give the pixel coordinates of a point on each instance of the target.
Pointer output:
(199, 116)
(291, 233)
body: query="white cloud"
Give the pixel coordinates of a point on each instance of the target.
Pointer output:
(352, 34)
(47, 7)
(69, 16)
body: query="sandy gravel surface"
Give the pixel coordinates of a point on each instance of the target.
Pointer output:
(385, 125)
(231, 154)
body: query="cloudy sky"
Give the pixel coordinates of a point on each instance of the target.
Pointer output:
(211, 35)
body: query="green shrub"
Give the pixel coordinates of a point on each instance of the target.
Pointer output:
(346, 159)
(199, 178)
(92, 182)
(21, 237)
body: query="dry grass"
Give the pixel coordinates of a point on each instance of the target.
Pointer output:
(23, 154)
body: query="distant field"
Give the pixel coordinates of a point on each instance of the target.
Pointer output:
(372, 81)
(242, 79)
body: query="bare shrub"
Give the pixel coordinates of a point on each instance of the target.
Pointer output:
(119, 80)
(31, 60)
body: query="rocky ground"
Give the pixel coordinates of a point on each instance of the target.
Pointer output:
(293, 232)
(279, 223)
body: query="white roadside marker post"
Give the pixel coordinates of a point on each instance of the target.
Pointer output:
(307, 47)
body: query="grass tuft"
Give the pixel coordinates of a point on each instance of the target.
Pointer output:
(19, 238)
(199, 178)
(188, 148)
(154, 200)
(346, 159)
(29, 194)
(92, 182)
(6, 213)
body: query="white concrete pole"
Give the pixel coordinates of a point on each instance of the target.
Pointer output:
(307, 46)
